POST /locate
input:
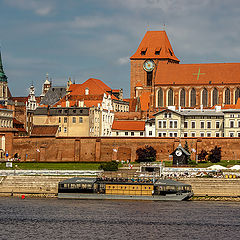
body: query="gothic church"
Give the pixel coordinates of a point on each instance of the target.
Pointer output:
(160, 81)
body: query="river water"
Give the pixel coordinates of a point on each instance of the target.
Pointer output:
(91, 219)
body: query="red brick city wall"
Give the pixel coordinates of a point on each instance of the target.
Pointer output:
(111, 148)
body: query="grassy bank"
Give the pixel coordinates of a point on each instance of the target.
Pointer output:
(94, 166)
(52, 166)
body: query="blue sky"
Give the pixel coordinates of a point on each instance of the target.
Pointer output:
(95, 38)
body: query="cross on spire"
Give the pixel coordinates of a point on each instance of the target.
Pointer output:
(198, 74)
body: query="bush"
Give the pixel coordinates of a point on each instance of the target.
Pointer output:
(146, 154)
(215, 155)
(187, 149)
(109, 166)
(202, 155)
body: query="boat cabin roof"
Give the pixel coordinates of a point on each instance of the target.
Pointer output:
(169, 182)
(76, 180)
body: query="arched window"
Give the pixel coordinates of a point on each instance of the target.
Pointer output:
(237, 94)
(214, 97)
(170, 97)
(205, 97)
(227, 96)
(160, 98)
(182, 98)
(193, 98)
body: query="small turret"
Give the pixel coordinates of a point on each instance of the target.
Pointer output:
(46, 86)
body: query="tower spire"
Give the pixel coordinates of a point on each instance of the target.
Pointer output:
(3, 77)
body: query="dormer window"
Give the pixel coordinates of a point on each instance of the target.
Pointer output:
(86, 91)
(143, 51)
(157, 51)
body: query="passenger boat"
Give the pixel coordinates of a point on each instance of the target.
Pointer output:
(120, 188)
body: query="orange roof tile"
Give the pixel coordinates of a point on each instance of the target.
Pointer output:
(95, 86)
(153, 42)
(44, 130)
(145, 101)
(233, 106)
(198, 74)
(129, 125)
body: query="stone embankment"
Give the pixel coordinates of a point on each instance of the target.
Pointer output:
(46, 186)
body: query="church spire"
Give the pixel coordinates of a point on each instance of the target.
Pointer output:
(3, 77)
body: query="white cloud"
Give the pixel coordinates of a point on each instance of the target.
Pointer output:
(123, 60)
(41, 8)
(89, 22)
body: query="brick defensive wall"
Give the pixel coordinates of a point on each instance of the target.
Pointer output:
(69, 149)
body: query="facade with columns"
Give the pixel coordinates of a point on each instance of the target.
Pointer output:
(157, 74)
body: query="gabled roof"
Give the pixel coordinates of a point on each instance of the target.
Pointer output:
(198, 74)
(53, 95)
(129, 125)
(152, 43)
(95, 86)
(44, 130)
(182, 149)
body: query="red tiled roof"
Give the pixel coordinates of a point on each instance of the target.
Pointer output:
(44, 130)
(155, 41)
(198, 74)
(233, 106)
(129, 125)
(95, 86)
(145, 101)
(20, 99)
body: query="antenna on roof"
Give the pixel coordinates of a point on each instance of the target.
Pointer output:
(164, 27)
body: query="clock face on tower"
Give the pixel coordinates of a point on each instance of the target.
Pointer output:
(148, 65)
(179, 153)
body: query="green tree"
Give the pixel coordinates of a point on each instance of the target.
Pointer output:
(215, 155)
(146, 154)
(109, 166)
(202, 155)
(187, 149)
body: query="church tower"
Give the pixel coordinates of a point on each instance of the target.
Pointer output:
(154, 50)
(3, 84)
(46, 86)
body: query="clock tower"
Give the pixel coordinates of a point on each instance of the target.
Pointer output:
(154, 50)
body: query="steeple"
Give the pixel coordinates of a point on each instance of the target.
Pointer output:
(155, 45)
(3, 77)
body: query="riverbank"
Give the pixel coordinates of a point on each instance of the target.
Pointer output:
(212, 189)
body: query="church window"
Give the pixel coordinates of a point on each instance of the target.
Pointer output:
(143, 51)
(170, 97)
(193, 98)
(215, 97)
(237, 94)
(160, 98)
(227, 96)
(205, 97)
(182, 97)
(149, 78)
